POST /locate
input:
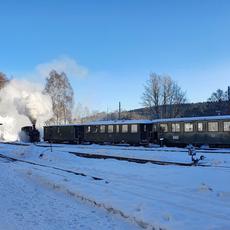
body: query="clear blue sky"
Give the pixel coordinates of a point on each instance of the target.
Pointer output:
(120, 42)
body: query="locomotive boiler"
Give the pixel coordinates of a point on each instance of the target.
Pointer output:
(30, 134)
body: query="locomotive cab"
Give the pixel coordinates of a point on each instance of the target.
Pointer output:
(30, 134)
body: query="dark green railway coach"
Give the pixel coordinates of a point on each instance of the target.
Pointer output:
(128, 131)
(64, 133)
(212, 131)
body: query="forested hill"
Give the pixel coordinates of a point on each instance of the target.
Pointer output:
(188, 110)
(183, 110)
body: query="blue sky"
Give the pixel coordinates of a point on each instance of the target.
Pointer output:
(118, 43)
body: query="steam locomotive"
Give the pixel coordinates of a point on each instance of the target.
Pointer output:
(210, 130)
(30, 134)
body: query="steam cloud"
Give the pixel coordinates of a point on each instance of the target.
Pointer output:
(22, 103)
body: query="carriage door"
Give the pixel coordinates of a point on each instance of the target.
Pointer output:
(154, 134)
(79, 133)
(144, 132)
(76, 130)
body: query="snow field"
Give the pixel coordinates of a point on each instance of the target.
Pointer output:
(25, 204)
(150, 196)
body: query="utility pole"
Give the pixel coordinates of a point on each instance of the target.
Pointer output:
(228, 93)
(228, 96)
(119, 113)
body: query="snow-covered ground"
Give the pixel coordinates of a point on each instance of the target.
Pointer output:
(62, 191)
(212, 157)
(27, 205)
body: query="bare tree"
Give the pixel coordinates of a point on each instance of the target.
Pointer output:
(167, 95)
(152, 94)
(178, 98)
(3, 80)
(61, 93)
(218, 96)
(162, 96)
(80, 113)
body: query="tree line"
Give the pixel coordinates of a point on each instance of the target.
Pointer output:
(162, 97)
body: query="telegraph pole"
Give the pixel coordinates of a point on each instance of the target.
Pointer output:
(119, 113)
(228, 93)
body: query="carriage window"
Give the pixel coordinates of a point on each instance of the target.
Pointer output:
(175, 127)
(133, 128)
(200, 127)
(124, 128)
(145, 128)
(188, 127)
(102, 128)
(226, 126)
(110, 128)
(212, 126)
(154, 128)
(117, 128)
(164, 128)
(94, 129)
(88, 129)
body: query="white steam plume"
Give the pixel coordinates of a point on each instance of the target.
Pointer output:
(62, 64)
(22, 103)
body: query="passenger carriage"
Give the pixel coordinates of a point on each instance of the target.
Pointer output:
(123, 131)
(64, 133)
(130, 132)
(211, 130)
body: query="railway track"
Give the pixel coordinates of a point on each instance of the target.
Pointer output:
(129, 159)
(135, 160)
(213, 151)
(100, 156)
(144, 149)
(14, 143)
(12, 159)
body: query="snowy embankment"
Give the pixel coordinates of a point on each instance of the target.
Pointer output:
(145, 195)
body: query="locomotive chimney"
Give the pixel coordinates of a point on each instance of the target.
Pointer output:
(33, 124)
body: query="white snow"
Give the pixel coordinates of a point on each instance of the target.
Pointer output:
(129, 196)
(156, 121)
(204, 118)
(111, 122)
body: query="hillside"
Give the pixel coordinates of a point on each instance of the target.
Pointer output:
(190, 110)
